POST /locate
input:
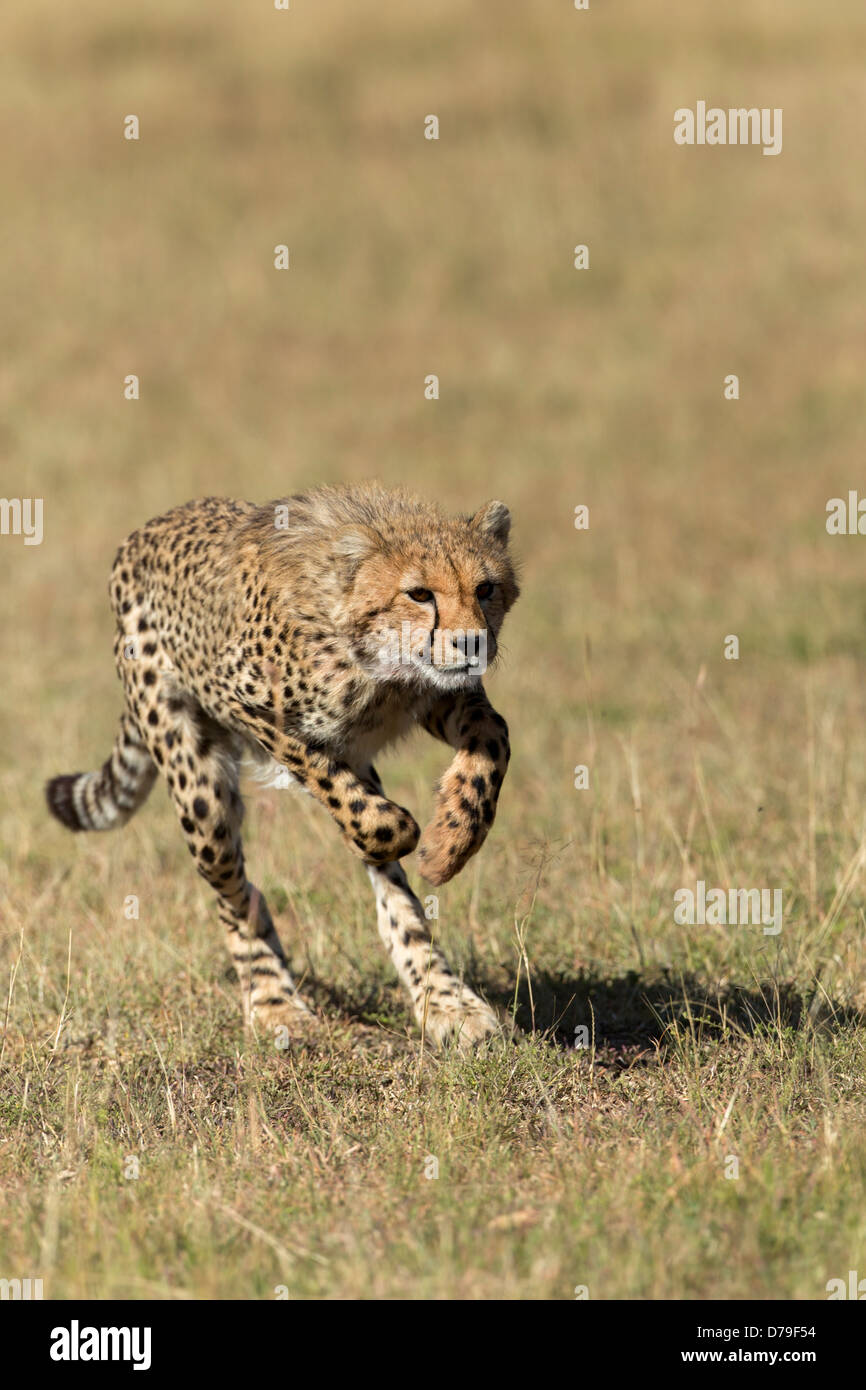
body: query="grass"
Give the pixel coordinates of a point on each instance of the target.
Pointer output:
(607, 1166)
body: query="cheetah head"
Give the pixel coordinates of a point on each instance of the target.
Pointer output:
(424, 600)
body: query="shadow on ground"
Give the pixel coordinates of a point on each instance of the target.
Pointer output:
(633, 1012)
(631, 1019)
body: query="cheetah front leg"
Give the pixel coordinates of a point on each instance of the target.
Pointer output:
(467, 794)
(445, 1008)
(375, 829)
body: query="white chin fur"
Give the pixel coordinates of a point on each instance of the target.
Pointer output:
(423, 673)
(442, 679)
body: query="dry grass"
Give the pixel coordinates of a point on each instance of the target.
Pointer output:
(603, 1167)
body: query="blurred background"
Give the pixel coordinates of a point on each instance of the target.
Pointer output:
(558, 387)
(409, 257)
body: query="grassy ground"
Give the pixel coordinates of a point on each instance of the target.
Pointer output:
(606, 1166)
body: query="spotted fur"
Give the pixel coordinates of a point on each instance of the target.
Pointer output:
(271, 630)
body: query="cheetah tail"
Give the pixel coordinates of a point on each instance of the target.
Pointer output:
(107, 798)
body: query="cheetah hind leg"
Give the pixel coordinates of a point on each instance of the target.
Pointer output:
(272, 1005)
(201, 765)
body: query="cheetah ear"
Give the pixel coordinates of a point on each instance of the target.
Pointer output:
(352, 545)
(493, 520)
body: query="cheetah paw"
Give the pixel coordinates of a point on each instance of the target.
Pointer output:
(285, 1021)
(465, 1022)
(443, 852)
(462, 817)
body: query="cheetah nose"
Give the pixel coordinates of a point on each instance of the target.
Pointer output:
(459, 649)
(470, 647)
(450, 653)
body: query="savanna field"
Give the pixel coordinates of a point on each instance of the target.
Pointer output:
(709, 1140)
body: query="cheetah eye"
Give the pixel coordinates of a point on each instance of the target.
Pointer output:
(419, 595)
(485, 590)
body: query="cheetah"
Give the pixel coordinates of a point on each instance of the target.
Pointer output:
(311, 632)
